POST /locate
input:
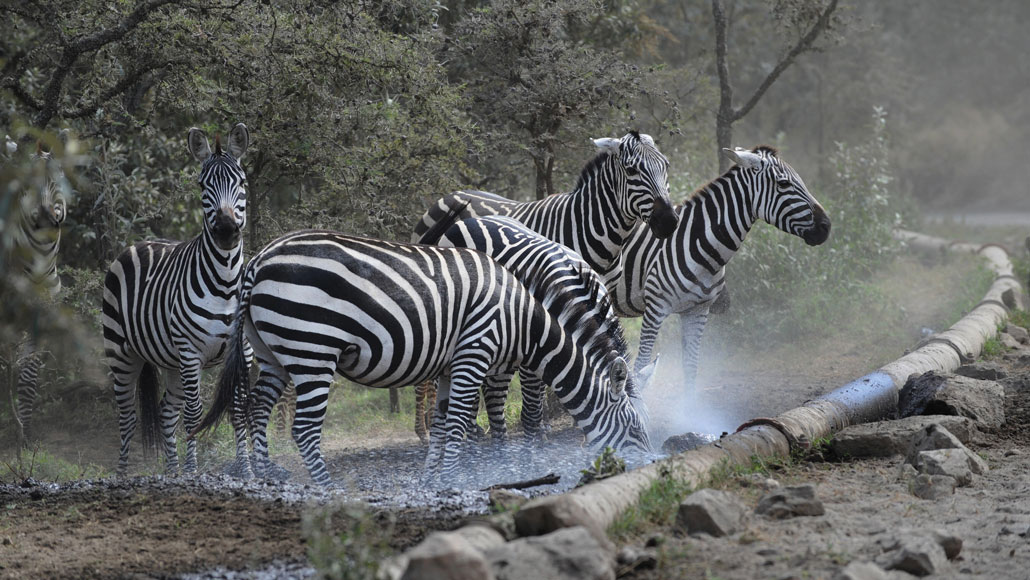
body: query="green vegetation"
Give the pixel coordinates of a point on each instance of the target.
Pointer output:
(346, 542)
(40, 465)
(605, 465)
(657, 506)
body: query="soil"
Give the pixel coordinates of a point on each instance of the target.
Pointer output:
(156, 527)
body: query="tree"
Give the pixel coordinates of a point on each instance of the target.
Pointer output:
(528, 74)
(807, 19)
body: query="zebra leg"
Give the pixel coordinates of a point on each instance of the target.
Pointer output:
(29, 363)
(423, 419)
(307, 426)
(268, 390)
(437, 433)
(533, 392)
(192, 409)
(462, 406)
(495, 394)
(124, 372)
(652, 323)
(692, 328)
(171, 407)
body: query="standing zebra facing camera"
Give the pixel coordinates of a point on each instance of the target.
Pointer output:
(684, 273)
(385, 314)
(41, 211)
(566, 286)
(169, 305)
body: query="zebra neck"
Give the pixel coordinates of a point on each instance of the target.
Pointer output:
(596, 216)
(723, 211)
(227, 264)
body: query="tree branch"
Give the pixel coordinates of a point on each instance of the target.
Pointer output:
(803, 45)
(118, 88)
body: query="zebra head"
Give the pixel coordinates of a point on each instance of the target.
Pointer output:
(780, 196)
(224, 185)
(645, 170)
(626, 420)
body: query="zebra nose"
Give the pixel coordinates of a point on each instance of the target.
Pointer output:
(820, 232)
(663, 220)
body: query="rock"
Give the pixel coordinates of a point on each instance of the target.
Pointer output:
(948, 462)
(547, 514)
(710, 511)
(570, 553)
(791, 501)
(1007, 340)
(446, 555)
(1017, 332)
(861, 571)
(935, 438)
(685, 442)
(887, 438)
(630, 558)
(919, 555)
(985, 371)
(505, 500)
(942, 394)
(932, 487)
(906, 472)
(952, 544)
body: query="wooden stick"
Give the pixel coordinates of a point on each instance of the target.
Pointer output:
(549, 479)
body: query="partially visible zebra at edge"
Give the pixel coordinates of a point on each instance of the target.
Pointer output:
(41, 211)
(684, 273)
(386, 314)
(169, 305)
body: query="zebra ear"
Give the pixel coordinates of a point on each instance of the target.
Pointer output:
(607, 145)
(239, 139)
(198, 145)
(618, 374)
(744, 158)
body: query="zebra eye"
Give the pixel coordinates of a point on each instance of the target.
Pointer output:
(632, 170)
(784, 183)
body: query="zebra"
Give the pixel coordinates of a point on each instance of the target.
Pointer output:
(684, 273)
(168, 305)
(37, 241)
(556, 276)
(386, 314)
(626, 183)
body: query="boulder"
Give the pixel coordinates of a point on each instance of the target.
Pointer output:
(571, 553)
(932, 487)
(984, 371)
(1007, 340)
(685, 442)
(887, 438)
(446, 556)
(951, 463)
(713, 512)
(861, 571)
(916, 554)
(935, 438)
(943, 394)
(1017, 332)
(791, 501)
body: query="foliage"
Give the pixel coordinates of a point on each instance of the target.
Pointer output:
(605, 465)
(345, 542)
(657, 505)
(39, 465)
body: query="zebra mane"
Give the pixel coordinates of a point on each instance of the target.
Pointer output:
(759, 149)
(218, 144)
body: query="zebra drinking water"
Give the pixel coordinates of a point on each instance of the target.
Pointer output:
(385, 314)
(37, 240)
(626, 183)
(557, 277)
(684, 273)
(169, 305)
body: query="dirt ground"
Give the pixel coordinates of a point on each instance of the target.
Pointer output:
(152, 527)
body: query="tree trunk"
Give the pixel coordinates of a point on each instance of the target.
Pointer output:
(725, 117)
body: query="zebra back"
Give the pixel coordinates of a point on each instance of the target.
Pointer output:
(625, 184)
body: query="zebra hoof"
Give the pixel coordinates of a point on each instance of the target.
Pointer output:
(239, 469)
(275, 472)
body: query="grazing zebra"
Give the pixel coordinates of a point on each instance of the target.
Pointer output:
(385, 314)
(626, 183)
(169, 305)
(36, 243)
(684, 273)
(556, 276)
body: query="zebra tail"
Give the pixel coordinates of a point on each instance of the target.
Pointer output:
(234, 382)
(433, 234)
(149, 409)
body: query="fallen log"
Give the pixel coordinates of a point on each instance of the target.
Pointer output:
(549, 479)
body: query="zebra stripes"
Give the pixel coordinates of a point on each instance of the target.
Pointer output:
(685, 273)
(36, 245)
(169, 305)
(563, 283)
(626, 183)
(384, 314)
